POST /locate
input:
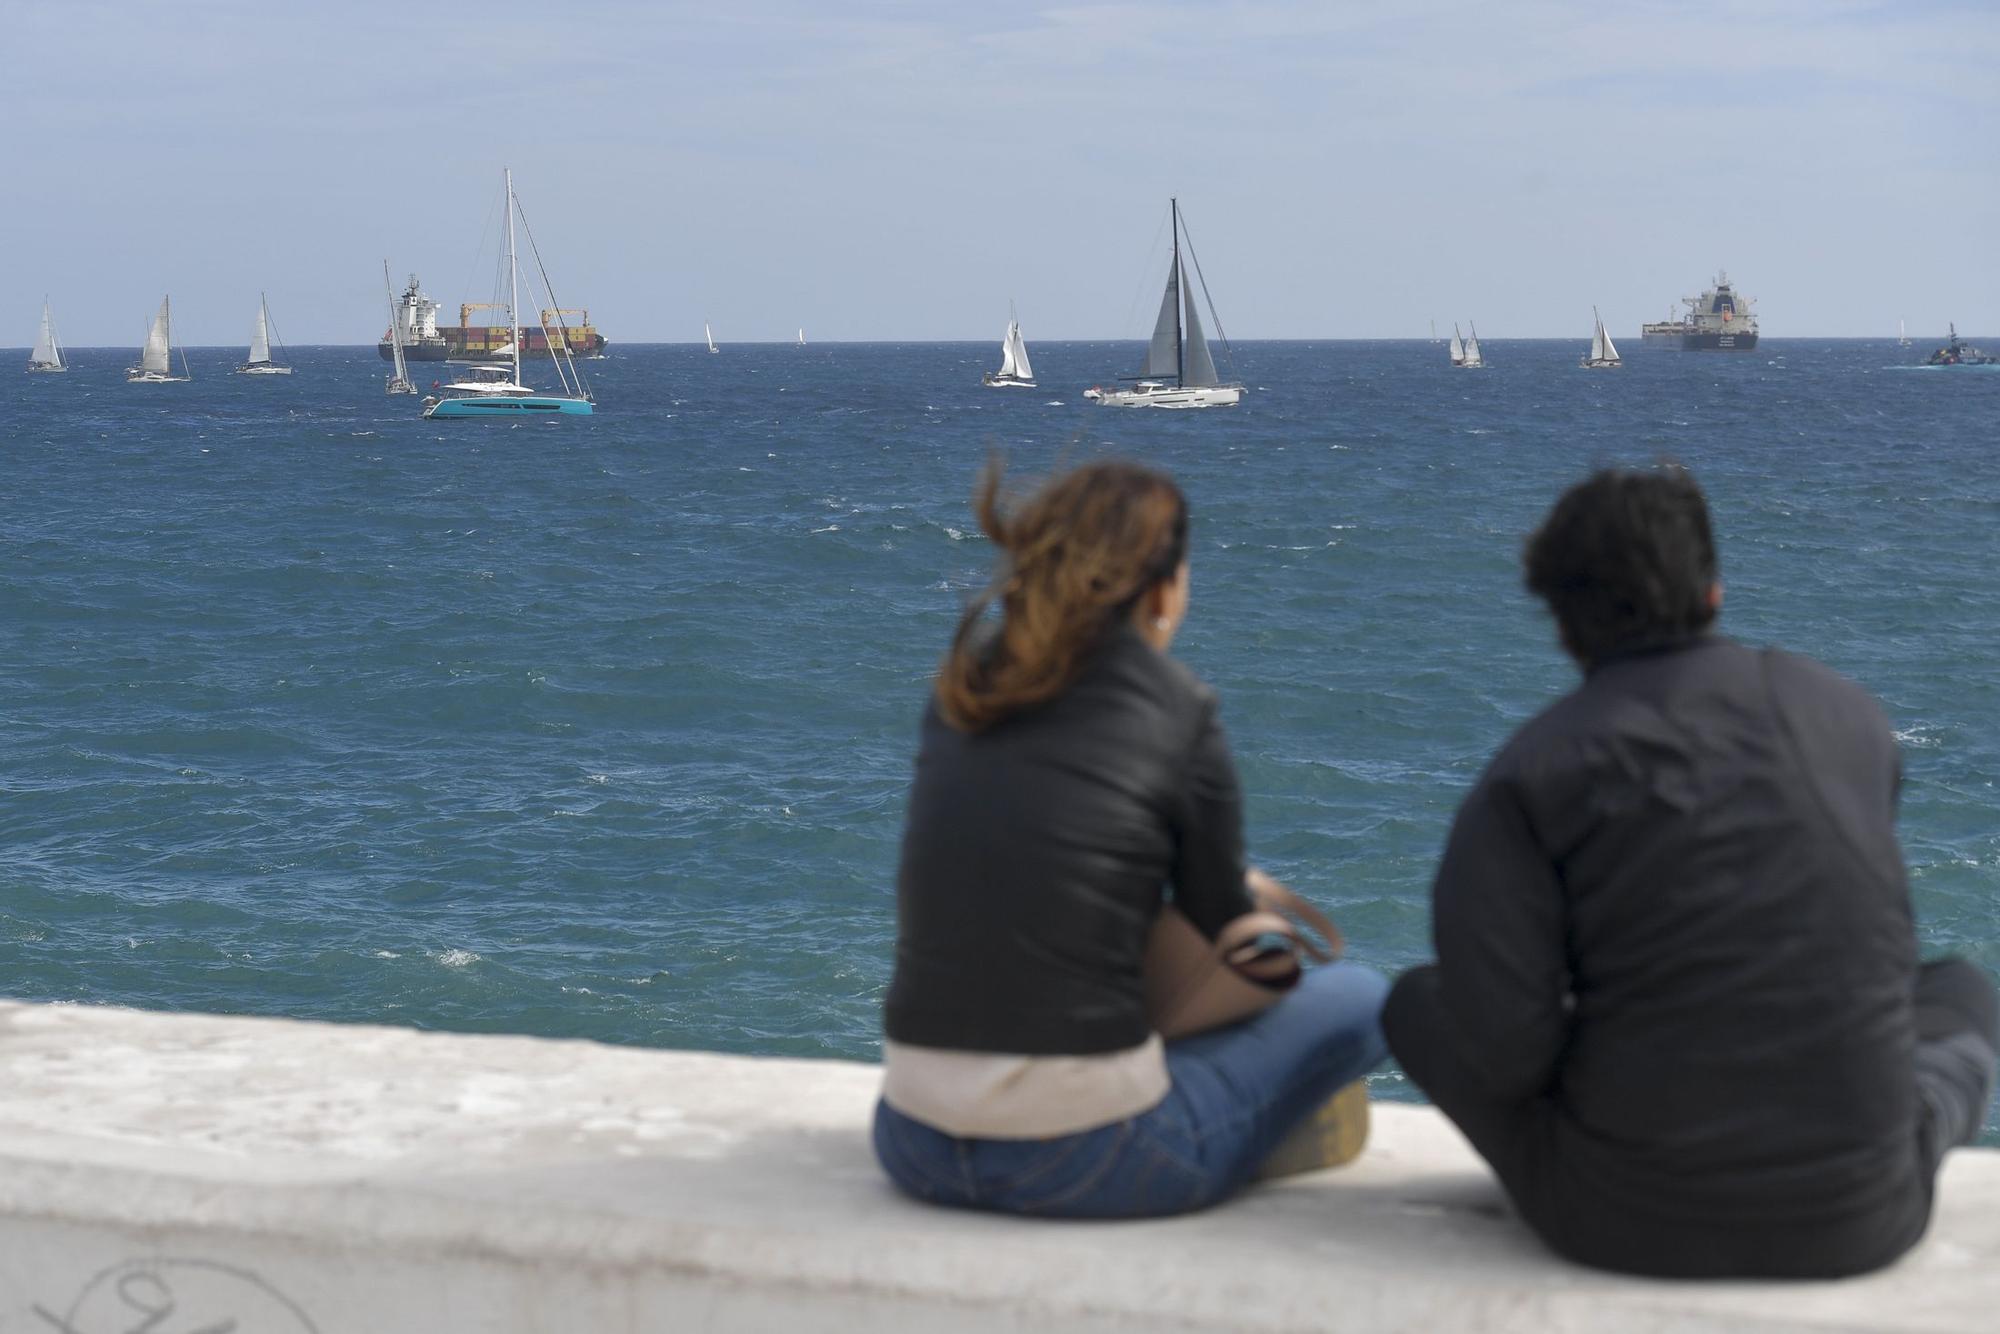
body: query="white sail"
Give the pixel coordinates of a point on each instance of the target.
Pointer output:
(260, 337)
(1197, 367)
(709, 334)
(400, 382)
(1457, 348)
(1472, 357)
(153, 359)
(47, 353)
(1017, 352)
(1610, 352)
(1597, 342)
(1008, 366)
(802, 338)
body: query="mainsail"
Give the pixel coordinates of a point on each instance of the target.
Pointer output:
(1008, 368)
(1163, 357)
(1610, 352)
(1457, 348)
(1597, 342)
(1472, 357)
(46, 352)
(260, 337)
(154, 358)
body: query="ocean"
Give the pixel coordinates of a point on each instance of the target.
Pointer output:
(602, 727)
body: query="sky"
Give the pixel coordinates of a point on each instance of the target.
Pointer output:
(893, 171)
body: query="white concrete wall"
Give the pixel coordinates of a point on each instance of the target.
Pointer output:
(173, 1174)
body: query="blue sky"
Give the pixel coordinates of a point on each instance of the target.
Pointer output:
(885, 171)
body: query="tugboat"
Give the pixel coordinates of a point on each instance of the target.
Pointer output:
(1957, 352)
(1719, 320)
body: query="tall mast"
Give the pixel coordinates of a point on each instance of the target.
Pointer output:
(1180, 293)
(513, 280)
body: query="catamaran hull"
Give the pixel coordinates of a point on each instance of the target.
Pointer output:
(1216, 396)
(1007, 382)
(1601, 365)
(509, 407)
(153, 377)
(263, 370)
(46, 370)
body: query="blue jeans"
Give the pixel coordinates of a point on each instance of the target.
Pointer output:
(1236, 1093)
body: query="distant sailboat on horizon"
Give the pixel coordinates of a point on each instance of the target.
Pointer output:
(1457, 349)
(802, 337)
(1603, 354)
(709, 334)
(1014, 368)
(399, 378)
(1473, 359)
(260, 362)
(156, 358)
(1902, 335)
(1178, 371)
(47, 358)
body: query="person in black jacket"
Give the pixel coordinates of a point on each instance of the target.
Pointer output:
(1677, 1003)
(1071, 776)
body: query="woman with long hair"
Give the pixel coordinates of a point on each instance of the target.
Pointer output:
(1072, 780)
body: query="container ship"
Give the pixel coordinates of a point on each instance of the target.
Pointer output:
(1718, 320)
(424, 339)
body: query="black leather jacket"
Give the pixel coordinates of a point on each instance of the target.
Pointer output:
(1037, 854)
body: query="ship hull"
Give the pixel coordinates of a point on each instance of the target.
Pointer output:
(1718, 342)
(489, 344)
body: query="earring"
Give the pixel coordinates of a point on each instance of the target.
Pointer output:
(1162, 623)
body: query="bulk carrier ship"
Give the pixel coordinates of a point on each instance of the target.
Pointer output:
(424, 339)
(1717, 321)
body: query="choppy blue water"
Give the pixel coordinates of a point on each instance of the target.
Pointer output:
(602, 727)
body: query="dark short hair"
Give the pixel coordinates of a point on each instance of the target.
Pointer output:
(1625, 560)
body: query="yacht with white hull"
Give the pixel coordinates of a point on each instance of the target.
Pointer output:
(1014, 372)
(1178, 371)
(260, 362)
(156, 358)
(47, 357)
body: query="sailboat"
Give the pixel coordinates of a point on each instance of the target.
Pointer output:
(1014, 368)
(399, 379)
(493, 396)
(1603, 354)
(156, 364)
(1434, 333)
(1457, 348)
(1178, 371)
(259, 361)
(802, 337)
(47, 358)
(1902, 335)
(1472, 359)
(709, 334)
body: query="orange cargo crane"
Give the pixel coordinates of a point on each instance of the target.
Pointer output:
(550, 316)
(465, 311)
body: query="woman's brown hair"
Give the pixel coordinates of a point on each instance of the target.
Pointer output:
(1074, 557)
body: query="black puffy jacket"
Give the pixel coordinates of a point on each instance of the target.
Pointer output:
(1037, 854)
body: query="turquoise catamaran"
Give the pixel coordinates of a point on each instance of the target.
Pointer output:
(506, 397)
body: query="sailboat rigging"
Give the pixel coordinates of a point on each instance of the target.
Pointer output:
(1178, 371)
(260, 362)
(1603, 354)
(709, 334)
(47, 358)
(156, 358)
(491, 395)
(1014, 368)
